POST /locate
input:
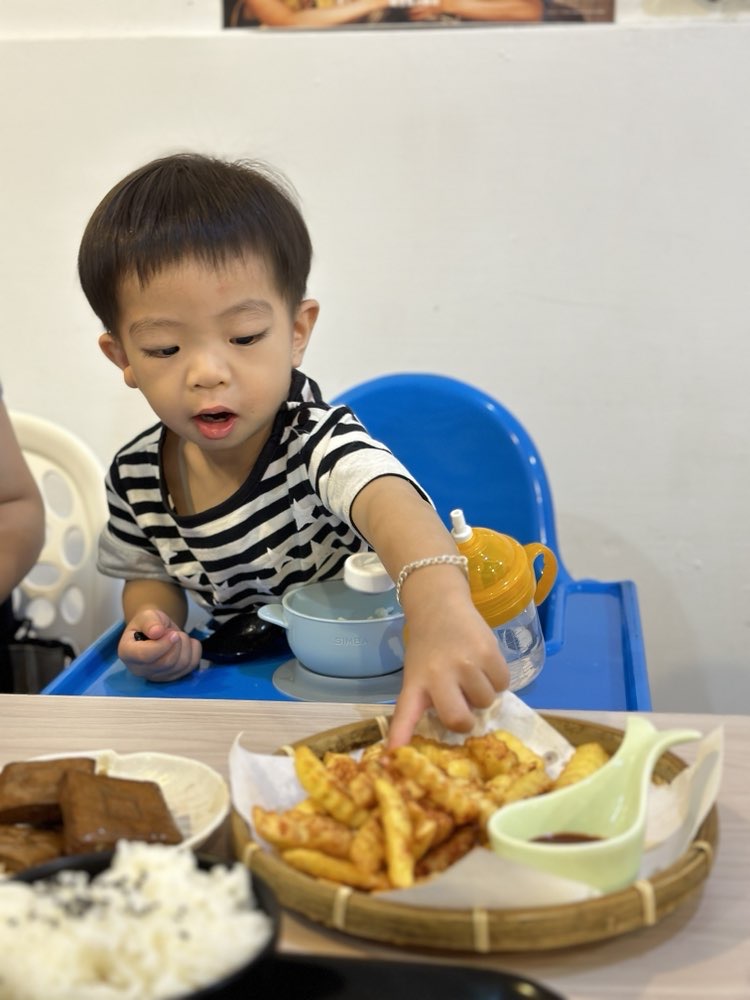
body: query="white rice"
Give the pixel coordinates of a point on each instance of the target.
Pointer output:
(153, 926)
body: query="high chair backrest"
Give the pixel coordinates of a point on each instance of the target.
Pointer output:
(464, 448)
(64, 595)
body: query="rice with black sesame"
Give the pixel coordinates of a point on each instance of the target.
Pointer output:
(152, 926)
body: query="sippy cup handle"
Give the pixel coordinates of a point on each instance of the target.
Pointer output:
(549, 569)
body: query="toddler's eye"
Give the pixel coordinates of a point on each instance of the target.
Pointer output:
(161, 352)
(251, 338)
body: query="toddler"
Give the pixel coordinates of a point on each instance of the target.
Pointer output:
(250, 483)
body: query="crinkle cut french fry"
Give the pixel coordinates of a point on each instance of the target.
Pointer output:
(373, 751)
(449, 852)
(463, 768)
(309, 805)
(492, 756)
(425, 831)
(323, 788)
(386, 767)
(321, 865)
(367, 850)
(393, 818)
(585, 760)
(362, 790)
(526, 756)
(295, 828)
(431, 827)
(454, 760)
(444, 822)
(451, 795)
(398, 833)
(341, 766)
(534, 782)
(497, 787)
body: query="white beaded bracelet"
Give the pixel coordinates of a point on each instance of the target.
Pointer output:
(461, 561)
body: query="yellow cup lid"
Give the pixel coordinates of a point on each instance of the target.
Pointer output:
(501, 573)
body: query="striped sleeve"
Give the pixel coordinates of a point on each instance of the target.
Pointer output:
(125, 551)
(343, 458)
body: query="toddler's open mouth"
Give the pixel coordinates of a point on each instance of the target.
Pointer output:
(219, 417)
(215, 424)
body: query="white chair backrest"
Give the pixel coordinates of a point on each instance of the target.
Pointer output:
(64, 595)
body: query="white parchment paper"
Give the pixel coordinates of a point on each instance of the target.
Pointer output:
(481, 878)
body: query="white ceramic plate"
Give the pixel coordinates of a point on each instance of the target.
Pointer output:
(197, 796)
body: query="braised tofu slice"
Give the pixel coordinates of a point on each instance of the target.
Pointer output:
(24, 846)
(99, 810)
(30, 790)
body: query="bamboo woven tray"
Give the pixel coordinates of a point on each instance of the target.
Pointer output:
(479, 930)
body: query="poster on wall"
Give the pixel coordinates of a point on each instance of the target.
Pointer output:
(412, 13)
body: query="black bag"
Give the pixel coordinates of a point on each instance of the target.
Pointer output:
(28, 664)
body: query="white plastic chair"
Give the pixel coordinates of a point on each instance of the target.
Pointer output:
(64, 595)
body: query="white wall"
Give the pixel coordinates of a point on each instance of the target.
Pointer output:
(558, 214)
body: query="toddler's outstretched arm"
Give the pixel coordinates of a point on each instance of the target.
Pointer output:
(452, 661)
(157, 612)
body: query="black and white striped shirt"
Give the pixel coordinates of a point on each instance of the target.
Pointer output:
(289, 523)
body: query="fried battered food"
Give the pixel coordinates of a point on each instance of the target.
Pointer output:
(393, 818)
(454, 760)
(341, 766)
(424, 829)
(453, 796)
(431, 827)
(399, 834)
(449, 852)
(534, 782)
(368, 845)
(310, 806)
(492, 755)
(528, 760)
(362, 789)
(444, 824)
(335, 869)
(296, 828)
(323, 787)
(373, 751)
(587, 758)
(497, 788)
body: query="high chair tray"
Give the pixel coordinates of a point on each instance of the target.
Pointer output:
(597, 664)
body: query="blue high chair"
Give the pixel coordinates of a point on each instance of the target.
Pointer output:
(467, 450)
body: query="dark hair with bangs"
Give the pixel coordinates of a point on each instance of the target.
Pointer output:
(193, 206)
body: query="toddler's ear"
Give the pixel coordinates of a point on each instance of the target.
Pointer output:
(304, 321)
(112, 348)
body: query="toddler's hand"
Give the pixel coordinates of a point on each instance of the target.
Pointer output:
(453, 663)
(152, 646)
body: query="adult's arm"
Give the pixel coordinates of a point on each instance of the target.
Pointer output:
(21, 511)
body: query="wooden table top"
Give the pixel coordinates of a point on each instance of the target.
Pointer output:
(700, 952)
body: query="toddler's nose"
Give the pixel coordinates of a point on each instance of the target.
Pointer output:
(208, 369)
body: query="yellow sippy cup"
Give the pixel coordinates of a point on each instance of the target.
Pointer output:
(506, 592)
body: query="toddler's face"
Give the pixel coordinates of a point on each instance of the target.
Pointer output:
(211, 350)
